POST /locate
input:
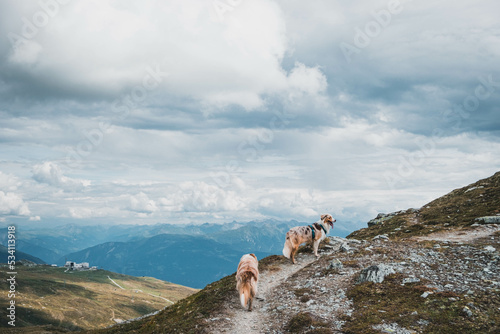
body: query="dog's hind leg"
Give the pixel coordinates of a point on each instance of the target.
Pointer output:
(315, 247)
(287, 249)
(294, 250)
(250, 304)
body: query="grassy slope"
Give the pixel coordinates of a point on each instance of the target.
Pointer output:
(83, 299)
(458, 208)
(393, 302)
(387, 302)
(189, 315)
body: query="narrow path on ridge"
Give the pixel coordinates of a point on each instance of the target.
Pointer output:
(246, 322)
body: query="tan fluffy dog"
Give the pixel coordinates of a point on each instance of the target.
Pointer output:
(300, 234)
(247, 277)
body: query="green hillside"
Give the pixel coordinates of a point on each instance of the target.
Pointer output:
(457, 209)
(189, 315)
(75, 300)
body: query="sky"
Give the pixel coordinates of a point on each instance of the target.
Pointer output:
(127, 112)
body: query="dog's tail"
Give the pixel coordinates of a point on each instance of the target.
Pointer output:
(244, 297)
(248, 288)
(287, 248)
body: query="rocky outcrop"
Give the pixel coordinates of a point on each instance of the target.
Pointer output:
(488, 220)
(381, 218)
(375, 274)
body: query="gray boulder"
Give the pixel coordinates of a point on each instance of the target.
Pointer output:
(345, 248)
(375, 274)
(335, 265)
(381, 237)
(380, 219)
(488, 220)
(334, 240)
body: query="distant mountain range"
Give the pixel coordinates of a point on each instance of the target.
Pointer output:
(176, 253)
(192, 261)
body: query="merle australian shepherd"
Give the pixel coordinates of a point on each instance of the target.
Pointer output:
(300, 234)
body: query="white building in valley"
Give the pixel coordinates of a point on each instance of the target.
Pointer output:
(77, 266)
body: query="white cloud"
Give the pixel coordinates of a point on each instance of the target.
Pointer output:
(308, 80)
(200, 196)
(142, 204)
(13, 204)
(82, 212)
(26, 53)
(8, 182)
(289, 203)
(50, 173)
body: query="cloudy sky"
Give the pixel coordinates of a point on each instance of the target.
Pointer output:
(220, 110)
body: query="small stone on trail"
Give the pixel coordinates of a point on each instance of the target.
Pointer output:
(425, 294)
(490, 249)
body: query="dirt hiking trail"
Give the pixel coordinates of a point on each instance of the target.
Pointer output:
(243, 321)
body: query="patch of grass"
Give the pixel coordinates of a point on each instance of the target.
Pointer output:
(26, 316)
(272, 263)
(304, 294)
(351, 263)
(438, 313)
(46, 287)
(329, 271)
(35, 330)
(305, 322)
(186, 316)
(428, 244)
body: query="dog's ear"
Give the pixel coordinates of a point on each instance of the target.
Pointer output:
(252, 254)
(323, 217)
